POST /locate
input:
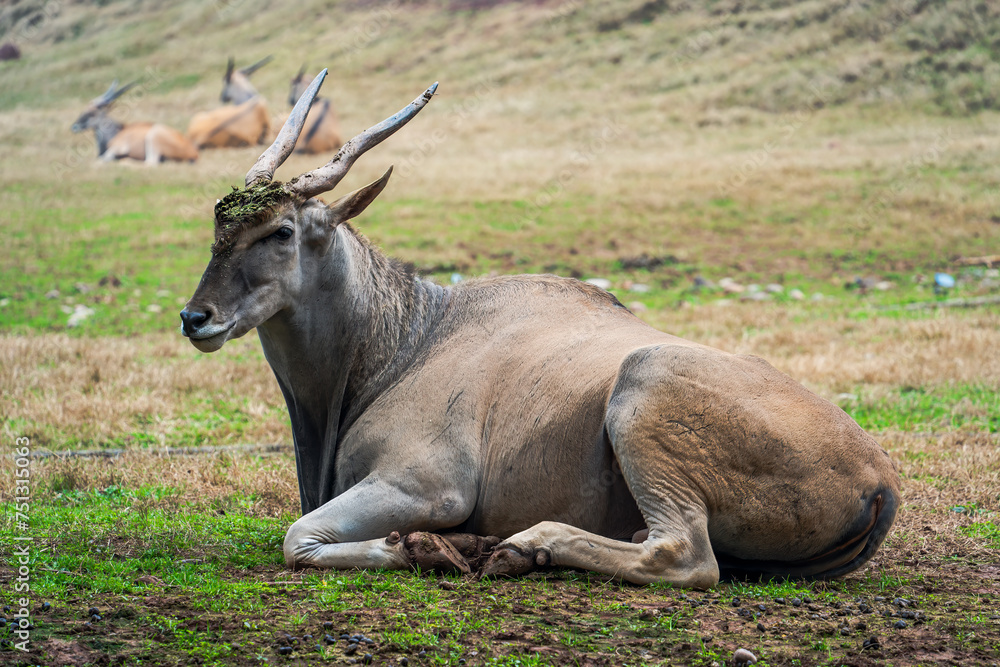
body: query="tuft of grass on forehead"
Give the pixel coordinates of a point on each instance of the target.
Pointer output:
(243, 209)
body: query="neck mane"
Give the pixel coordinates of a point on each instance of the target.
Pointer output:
(366, 323)
(105, 131)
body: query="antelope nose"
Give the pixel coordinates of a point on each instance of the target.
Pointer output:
(192, 320)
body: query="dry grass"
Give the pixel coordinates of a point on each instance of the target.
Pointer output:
(103, 390)
(197, 482)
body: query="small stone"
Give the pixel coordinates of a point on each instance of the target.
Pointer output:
(285, 650)
(603, 283)
(95, 618)
(872, 643)
(760, 627)
(154, 308)
(46, 606)
(404, 661)
(351, 649)
(796, 602)
(367, 660)
(845, 631)
(744, 657)
(736, 602)
(446, 585)
(328, 625)
(307, 638)
(762, 608)
(640, 288)
(901, 602)
(329, 639)
(775, 288)
(796, 295)
(80, 313)
(730, 286)
(899, 625)
(52, 294)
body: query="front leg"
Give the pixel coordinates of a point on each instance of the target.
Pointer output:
(679, 555)
(361, 528)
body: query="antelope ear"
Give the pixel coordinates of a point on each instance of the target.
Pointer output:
(352, 205)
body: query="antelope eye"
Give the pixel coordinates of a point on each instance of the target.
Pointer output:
(283, 234)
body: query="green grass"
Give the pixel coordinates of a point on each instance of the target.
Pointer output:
(929, 409)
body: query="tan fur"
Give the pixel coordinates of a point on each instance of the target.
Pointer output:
(151, 142)
(533, 408)
(245, 124)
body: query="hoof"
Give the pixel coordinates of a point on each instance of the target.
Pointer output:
(509, 562)
(430, 551)
(475, 548)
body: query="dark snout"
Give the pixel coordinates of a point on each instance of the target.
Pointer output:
(192, 321)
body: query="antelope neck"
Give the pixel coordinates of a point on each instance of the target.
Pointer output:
(366, 321)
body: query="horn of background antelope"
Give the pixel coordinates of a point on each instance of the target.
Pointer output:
(229, 70)
(263, 169)
(113, 93)
(250, 69)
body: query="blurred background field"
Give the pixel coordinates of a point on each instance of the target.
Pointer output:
(770, 177)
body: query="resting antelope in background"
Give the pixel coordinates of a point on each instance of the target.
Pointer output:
(151, 142)
(245, 123)
(535, 409)
(322, 129)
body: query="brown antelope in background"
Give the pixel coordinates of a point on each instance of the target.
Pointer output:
(151, 142)
(535, 409)
(322, 129)
(245, 123)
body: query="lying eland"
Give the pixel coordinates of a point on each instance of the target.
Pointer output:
(533, 408)
(150, 142)
(244, 123)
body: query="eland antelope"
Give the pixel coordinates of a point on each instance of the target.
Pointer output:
(150, 142)
(245, 123)
(431, 423)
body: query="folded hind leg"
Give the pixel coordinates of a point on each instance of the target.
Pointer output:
(676, 551)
